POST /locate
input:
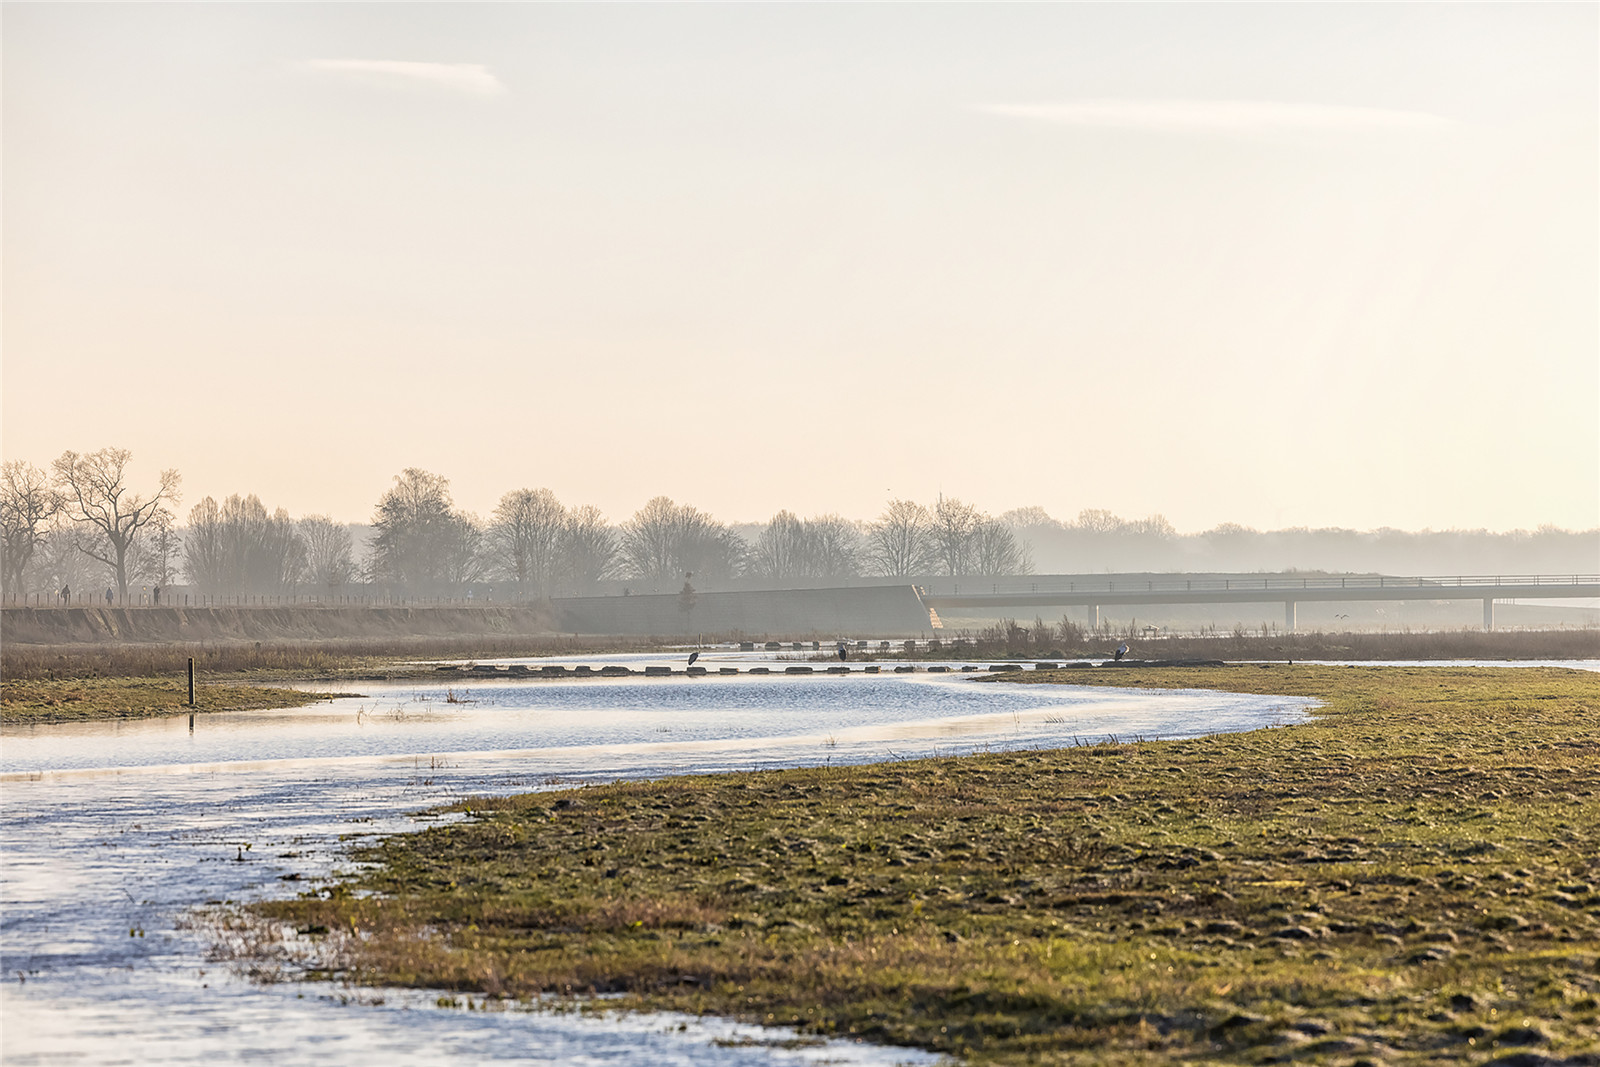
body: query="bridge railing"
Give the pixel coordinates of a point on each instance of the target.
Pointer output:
(1268, 583)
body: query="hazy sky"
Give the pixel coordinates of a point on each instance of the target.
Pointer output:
(1273, 264)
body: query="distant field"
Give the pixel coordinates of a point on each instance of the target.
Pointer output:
(1409, 878)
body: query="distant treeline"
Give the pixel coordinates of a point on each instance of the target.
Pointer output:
(81, 526)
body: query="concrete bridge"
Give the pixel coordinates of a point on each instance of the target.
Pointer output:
(1271, 589)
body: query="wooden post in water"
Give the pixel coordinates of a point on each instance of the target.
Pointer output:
(191, 685)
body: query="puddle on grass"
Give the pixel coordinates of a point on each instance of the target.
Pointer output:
(113, 832)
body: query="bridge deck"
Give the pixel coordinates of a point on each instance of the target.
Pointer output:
(1277, 589)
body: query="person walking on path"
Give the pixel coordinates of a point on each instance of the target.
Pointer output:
(108, 596)
(66, 596)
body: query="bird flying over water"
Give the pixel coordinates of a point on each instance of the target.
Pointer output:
(692, 657)
(1122, 650)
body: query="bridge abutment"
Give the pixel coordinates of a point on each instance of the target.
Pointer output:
(1488, 614)
(1289, 615)
(1094, 617)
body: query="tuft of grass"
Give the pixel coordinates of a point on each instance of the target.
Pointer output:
(1412, 877)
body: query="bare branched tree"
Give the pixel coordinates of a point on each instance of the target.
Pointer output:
(330, 554)
(664, 540)
(58, 561)
(780, 550)
(954, 526)
(997, 552)
(900, 543)
(525, 538)
(241, 548)
(28, 503)
(588, 549)
(833, 547)
(153, 560)
(824, 547)
(416, 529)
(98, 499)
(462, 558)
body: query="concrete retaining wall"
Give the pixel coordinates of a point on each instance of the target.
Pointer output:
(887, 611)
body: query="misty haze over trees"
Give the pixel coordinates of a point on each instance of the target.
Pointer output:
(87, 524)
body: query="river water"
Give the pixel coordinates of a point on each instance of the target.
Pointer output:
(113, 834)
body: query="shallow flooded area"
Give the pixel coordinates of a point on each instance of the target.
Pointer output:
(115, 832)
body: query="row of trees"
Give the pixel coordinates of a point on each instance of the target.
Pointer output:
(80, 523)
(84, 509)
(59, 524)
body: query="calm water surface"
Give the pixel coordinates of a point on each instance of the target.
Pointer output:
(113, 833)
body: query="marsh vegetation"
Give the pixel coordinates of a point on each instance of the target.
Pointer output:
(1409, 877)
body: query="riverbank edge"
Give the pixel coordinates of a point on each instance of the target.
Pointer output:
(1054, 895)
(37, 702)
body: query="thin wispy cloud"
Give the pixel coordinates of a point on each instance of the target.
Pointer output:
(1220, 116)
(466, 79)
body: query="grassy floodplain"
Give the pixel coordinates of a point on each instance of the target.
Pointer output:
(46, 700)
(1410, 877)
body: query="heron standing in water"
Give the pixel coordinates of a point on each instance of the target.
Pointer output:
(841, 652)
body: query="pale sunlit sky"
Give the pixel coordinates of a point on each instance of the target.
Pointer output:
(1272, 264)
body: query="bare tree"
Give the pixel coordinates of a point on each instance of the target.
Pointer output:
(28, 503)
(330, 555)
(664, 540)
(824, 547)
(900, 543)
(588, 549)
(416, 533)
(462, 559)
(58, 561)
(525, 538)
(239, 547)
(780, 550)
(1100, 521)
(954, 526)
(833, 547)
(153, 559)
(997, 552)
(1029, 517)
(98, 497)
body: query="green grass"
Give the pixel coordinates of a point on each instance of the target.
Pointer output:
(31, 701)
(1411, 877)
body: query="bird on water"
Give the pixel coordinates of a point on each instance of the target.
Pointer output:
(1122, 650)
(692, 657)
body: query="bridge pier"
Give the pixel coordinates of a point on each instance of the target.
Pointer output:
(1094, 618)
(1488, 614)
(1288, 615)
